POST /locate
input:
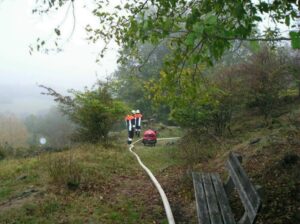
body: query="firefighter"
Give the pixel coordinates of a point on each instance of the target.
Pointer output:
(133, 120)
(138, 122)
(130, 121)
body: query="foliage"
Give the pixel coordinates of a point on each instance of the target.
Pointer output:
(295, 36)
(239, 53)
(94, 111)
(191, 36)
(295, 68)
(266, 75)
(197, 30)
(130, 89)
(195, 101)
(128, 82)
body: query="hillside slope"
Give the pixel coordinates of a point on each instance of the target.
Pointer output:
(271, 157)
(93, 184)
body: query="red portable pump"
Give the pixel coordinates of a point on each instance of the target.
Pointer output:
(150, 137)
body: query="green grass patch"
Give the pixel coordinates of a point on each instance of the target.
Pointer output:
(5, 192)
(159, 157)
(94, 200)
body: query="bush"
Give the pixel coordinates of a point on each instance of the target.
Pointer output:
(94, 111)
(266, 76)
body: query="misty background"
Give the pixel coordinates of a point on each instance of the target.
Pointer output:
(21, 73)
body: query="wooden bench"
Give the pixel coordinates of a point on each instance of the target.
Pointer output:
(212, 195)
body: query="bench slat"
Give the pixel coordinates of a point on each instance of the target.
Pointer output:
(212, 203)
(201, 204)
(222, 199)
(246, 190)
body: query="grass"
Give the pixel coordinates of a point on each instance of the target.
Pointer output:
(113, 188)
(79, 209)
(99, 197)
(110, 185)
(5, 192)
(158, 158)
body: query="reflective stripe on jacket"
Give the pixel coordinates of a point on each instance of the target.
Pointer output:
(129, 119)
(138, 119)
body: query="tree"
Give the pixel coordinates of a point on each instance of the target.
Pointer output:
(196, 30)
(128, 82)
(93, 110)
(197, 33)
(195, 101)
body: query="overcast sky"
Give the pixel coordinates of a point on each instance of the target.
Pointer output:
(20, 72)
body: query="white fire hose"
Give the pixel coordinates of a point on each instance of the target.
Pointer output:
(156, 183)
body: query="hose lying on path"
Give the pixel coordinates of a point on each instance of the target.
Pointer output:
(156, 183)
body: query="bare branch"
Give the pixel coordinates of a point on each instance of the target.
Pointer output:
(67, 100)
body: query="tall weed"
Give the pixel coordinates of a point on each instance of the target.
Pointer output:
(64, 169)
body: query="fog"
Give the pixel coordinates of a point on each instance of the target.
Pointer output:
(20, 72)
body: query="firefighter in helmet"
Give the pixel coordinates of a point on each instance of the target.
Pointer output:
(138, 122)
(130, 124)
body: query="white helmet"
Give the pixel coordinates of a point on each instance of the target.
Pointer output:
(133, 111)
(137, 111)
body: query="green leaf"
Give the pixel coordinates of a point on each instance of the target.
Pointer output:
(257, 18)
(295, 42)
(254, 46)
(198, 28)
(263, 7)
(287, 20)
(190, 39)
(196, 58)
(118, 7)
(211, 20)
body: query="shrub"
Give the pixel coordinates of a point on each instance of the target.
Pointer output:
(266, 75)
(94, 111)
